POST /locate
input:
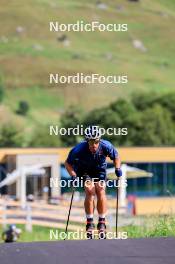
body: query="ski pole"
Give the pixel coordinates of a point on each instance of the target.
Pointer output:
(69, 212)
(116, 226)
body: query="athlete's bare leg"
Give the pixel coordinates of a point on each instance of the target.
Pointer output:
(101, 197)
(101, 208)
(89, 198)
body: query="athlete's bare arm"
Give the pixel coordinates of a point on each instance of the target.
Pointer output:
(117, 163)
(70, 169)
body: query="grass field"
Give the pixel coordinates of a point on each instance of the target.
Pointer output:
(154, 226)
(28, 57)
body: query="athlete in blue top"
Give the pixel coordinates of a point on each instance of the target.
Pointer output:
(88, 160)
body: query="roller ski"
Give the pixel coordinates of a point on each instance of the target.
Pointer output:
(90, 229)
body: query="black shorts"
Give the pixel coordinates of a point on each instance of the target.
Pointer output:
(95, 177)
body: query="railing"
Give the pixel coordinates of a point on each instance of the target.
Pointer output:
(38, 214)
(42, 214)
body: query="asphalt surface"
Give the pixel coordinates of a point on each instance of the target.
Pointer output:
(129, 251)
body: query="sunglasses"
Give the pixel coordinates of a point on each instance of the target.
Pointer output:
(93, 141)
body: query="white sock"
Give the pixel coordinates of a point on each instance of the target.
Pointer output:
(102, 215)
(89, 216)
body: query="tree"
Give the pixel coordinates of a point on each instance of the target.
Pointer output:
(70, 119)
(104, 118)
(156, 128)
(123, 108)
(144, 101)
(149, 119)
(1, 90)
(168, 101)
(42, 138)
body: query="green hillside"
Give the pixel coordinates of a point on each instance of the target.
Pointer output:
(29, 52)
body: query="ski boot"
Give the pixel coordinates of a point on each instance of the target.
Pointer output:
(89, 229)
(101, 227)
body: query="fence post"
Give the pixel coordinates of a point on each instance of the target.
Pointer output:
(28, 218)
(4, 215)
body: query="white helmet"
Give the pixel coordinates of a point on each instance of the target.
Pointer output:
(92, 132)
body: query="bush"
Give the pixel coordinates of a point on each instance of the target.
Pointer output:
(153, 226)
(11, 136)
(42, 138)
(23, 108)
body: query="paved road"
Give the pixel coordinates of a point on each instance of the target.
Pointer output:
(129, 251)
